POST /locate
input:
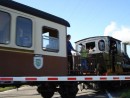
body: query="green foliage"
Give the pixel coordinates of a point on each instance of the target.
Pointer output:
(6, 88)
(126, 94)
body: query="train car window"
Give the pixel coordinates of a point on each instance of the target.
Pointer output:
(5, 20)
(23, 32)
(50, 38)
(91, 47)
(101, 45)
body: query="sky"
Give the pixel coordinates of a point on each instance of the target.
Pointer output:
(89, 18)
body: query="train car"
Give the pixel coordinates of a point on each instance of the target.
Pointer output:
(33, 51)
(32, 43)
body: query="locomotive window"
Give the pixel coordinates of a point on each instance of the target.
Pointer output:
(50, 39)
(91, 47)
(79, 47)
(101, 45)
(118, 47)
(24, 32)
(5, 20)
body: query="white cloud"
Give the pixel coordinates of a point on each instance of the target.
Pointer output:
(120, 32)
(110, 29)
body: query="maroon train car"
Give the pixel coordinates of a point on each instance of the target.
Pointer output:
(32, 42)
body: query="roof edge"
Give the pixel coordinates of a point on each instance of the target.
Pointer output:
(30, 10)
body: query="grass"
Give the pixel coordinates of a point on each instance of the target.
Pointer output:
(125, 94)
(6, 88)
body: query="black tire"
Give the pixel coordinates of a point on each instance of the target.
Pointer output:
(68, 90)
(46, 91)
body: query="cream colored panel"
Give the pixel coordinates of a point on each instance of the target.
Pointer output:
(38, 23)
(14, 15)
(38, 37)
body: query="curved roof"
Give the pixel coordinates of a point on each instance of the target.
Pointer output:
(26, 9)
(97, 37)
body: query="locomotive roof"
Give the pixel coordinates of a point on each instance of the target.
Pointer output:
(26, 9)
(98, 37)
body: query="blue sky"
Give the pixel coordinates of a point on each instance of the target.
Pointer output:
(89, 17)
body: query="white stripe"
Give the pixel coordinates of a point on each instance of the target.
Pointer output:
(108, 94)
(65, 78)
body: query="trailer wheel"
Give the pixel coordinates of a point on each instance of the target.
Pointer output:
(68, 89)
(46, 90)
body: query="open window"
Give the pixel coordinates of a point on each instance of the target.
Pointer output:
(113, 47)
(78, 47)
(118, 46)
(91, 46)
(50, 38)
(5, 20)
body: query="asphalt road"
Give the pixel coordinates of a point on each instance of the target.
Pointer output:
(30, 92)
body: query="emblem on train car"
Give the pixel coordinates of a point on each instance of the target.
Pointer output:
(38, 61)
